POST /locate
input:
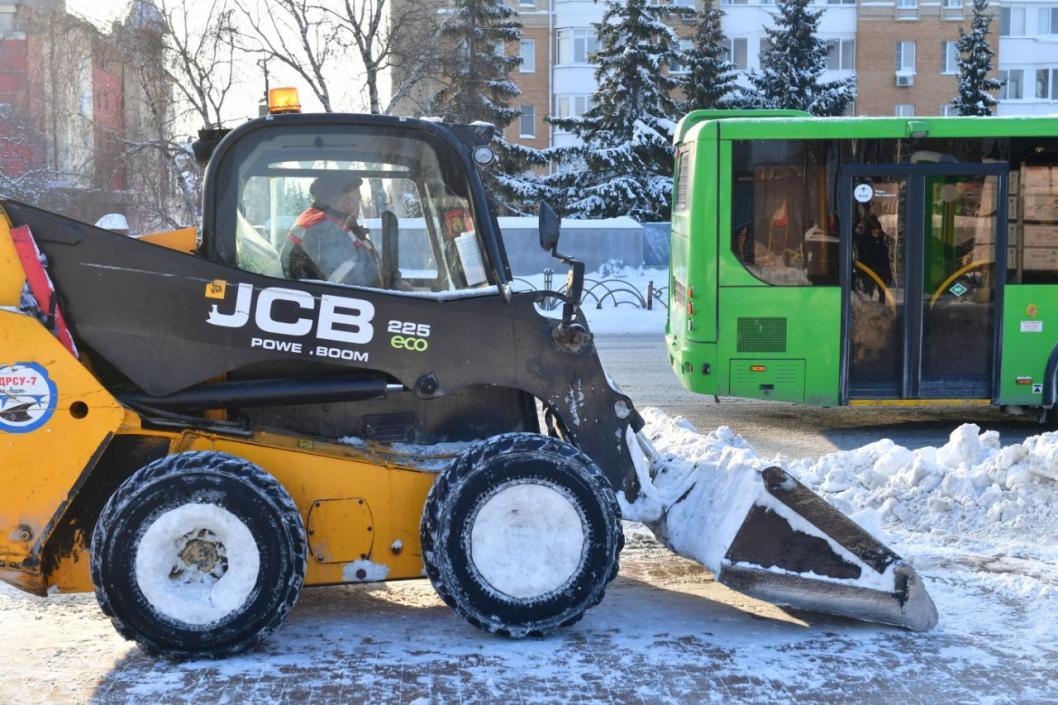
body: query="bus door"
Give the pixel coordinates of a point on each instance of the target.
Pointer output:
(924, 245)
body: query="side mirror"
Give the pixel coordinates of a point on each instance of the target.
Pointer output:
(550, 225)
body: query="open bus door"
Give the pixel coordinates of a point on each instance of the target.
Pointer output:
(922, 278)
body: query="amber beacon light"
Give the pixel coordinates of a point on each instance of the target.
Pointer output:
(283, 100)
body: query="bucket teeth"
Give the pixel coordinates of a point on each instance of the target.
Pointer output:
(910, 606)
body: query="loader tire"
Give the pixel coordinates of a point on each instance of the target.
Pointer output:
(521, 534)
(198, 555)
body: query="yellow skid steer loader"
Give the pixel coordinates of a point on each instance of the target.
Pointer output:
(333, 382)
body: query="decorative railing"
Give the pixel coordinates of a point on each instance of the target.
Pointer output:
(600, 292)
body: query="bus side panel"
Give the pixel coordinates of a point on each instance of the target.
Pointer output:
(781, 343)
(692, 320)
(1030, 332)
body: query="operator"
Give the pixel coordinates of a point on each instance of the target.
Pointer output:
(327, 242)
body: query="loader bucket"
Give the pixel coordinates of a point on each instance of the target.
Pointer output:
(805, 554)
(765, 534)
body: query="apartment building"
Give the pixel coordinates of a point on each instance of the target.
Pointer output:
(902, 53)
(907, 55)
(1028, 57)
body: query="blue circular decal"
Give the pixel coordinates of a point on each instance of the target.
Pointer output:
(27, 397)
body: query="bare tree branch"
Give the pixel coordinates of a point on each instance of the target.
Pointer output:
(296, 33)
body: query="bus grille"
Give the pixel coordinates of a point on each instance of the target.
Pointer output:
(761, 335)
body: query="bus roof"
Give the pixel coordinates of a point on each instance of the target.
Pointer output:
(774, 124)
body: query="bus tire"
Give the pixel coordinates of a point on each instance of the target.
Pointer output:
(521, 535)
(198, 555)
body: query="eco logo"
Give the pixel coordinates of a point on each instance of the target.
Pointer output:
(27, 397)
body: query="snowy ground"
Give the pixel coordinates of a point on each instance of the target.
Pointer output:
(666, 633)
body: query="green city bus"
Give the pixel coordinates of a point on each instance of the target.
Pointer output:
(845, 261)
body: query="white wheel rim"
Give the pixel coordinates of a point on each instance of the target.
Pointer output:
(527, 540)
(197, 564)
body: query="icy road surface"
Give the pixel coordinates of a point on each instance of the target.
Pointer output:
(666, 632)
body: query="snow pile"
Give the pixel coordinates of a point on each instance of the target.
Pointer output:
(971, 485)
(703, 488)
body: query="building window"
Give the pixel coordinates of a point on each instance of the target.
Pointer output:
(841, 54)
(1047, 20)
(1047, 84)
(907, 4)
(527, 122)
(576, 46)
(949, 57)
(953, 4)
(838, 2)
(527, 4)
(905, 110)
(736, 51)
(734, 2)
(527, 50)
(1012, 21)
(1012, 80)
(678, 66)
(905, 57)
(949, 110)
(573, 105)
(683, 3)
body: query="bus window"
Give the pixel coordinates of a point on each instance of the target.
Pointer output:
(784, 225)
(1032, 247)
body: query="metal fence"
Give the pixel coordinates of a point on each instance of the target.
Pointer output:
(617, 292)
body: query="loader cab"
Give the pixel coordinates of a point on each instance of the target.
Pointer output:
(361, 200)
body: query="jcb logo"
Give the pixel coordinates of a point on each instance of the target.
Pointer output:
(340, 319)
(401, 342)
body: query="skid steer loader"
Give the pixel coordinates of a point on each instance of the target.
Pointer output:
(198, 424)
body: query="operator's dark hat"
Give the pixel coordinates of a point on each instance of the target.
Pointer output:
(327, 187)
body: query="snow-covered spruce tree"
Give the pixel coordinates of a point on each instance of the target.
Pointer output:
(623, 165)
(975, 63)
(710, 78)
(475, 70)
(792, 66)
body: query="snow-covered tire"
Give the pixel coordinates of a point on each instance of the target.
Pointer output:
(198, 555)
(521, 534)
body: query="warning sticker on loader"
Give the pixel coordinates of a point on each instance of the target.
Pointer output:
(27, 397)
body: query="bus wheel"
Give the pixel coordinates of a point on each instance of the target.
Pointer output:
(521, 535)
(198, 554)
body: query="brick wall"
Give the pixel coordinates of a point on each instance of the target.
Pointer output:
(878, 31)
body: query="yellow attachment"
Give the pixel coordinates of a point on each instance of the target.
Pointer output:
(360, 508)
(183, 240)
(42, 468)
(12, 278)
(283, 100)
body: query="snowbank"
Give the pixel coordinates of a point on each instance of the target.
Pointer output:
(972, 488)
(972, 485)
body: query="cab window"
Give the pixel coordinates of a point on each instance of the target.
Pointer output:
(352, 206)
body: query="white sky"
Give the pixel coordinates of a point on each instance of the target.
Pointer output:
(243, 101)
